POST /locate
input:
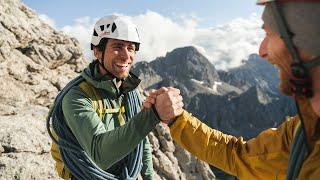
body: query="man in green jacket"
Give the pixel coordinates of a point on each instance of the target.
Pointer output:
(112, 140)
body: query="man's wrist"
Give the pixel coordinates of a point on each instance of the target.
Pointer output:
(172, 121)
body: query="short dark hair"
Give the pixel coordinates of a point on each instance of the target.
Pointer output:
(102, 44)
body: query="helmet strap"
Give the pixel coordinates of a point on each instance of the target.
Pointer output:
(301, 81)
(101, 64)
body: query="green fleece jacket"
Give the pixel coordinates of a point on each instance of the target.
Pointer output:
(106, 142)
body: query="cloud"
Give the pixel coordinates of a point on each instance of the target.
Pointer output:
(82, 29)
(47, 20)
(160, 34)
(225, 45)
(228, 44)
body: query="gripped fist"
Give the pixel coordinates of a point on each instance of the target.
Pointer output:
(167, 101)
(151, 98)
(168, 104)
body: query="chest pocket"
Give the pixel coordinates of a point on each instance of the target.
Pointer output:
(98, 105)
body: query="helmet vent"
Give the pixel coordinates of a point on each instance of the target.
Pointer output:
(114, 27)
(102, 27)
(95, 33)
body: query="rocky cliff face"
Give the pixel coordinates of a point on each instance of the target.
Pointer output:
(36, 61)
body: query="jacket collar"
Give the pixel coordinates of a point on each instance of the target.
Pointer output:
(108, 83)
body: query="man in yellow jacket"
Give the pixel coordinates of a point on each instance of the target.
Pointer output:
(291, 151)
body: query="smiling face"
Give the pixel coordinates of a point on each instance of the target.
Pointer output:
(118, 57)
(275, 51)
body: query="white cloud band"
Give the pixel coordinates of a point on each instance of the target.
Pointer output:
(225, 45)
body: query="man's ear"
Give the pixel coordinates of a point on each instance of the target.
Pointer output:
(97, 53)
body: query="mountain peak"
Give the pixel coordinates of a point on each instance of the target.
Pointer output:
(186, 63)
(188, 53)
(186, 49)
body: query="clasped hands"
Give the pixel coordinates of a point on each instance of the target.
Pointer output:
(167, 101)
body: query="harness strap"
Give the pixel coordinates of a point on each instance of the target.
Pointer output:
(91, 92)
(97, 103)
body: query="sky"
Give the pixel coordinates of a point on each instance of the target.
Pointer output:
(226, 32)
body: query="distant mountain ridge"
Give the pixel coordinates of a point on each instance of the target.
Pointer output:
(254, 72)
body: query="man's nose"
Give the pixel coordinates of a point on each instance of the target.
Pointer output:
(263, 50)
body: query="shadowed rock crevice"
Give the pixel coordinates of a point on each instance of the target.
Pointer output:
(10, 150)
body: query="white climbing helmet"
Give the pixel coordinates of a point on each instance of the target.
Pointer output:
(115, 27)
(262, 2)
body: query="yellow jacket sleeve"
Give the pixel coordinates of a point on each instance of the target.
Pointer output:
(263, 157)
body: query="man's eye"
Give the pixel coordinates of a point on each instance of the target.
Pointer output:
(131, 48)
(117, 47)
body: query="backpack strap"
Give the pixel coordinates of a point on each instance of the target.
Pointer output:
(120, 117)
(97, 102)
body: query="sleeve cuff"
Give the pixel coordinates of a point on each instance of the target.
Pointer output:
(173, 121)
(156, 113)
